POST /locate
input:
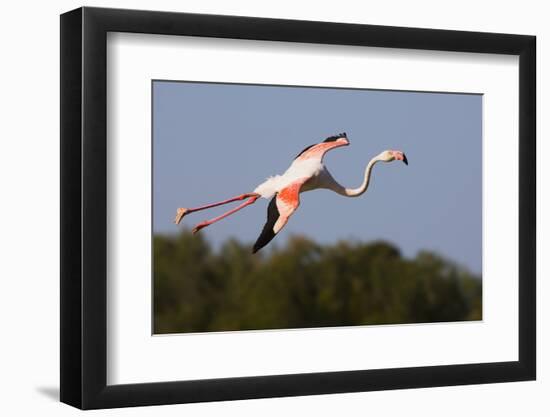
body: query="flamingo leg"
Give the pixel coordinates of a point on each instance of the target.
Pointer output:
(184, 211)
(251, 200)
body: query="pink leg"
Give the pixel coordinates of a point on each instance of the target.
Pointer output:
(252, 199)
(184, 211)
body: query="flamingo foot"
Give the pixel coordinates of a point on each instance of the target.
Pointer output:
(200, 226)
(179, 215)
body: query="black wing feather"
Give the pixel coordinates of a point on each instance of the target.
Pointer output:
(336, 137)
(267, 232)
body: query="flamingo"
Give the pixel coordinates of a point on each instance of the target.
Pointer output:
(306, 172)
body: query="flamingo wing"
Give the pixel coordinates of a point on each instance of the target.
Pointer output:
(280, 208)
(318, 150)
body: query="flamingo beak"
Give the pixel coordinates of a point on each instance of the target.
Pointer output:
(400, 156)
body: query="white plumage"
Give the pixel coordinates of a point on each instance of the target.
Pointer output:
(306, 168)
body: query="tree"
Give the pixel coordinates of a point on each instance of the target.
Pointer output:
(303, 284)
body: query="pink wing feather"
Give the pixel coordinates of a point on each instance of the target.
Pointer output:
(280, 208)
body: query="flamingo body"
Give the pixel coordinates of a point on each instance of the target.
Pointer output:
(298, 170)
(308, 164)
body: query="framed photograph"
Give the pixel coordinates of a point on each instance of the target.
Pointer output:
(258, 208)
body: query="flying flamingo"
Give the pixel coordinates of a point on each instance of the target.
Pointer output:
(307, 172)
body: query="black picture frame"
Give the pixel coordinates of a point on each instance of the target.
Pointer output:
(84, 207)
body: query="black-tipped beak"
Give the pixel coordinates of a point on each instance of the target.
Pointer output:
(405, 161)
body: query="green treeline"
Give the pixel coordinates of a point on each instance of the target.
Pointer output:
(303, 284)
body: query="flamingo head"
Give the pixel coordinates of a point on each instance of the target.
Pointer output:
(389, 155)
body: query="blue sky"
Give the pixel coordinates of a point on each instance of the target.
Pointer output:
(214, 141)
